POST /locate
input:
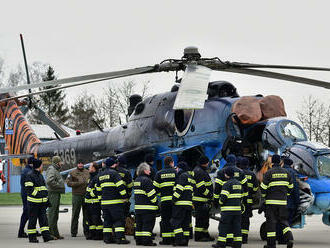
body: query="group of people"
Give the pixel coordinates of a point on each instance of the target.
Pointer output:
(39, 195)
(176, 189)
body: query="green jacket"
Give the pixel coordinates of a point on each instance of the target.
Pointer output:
(54, 181)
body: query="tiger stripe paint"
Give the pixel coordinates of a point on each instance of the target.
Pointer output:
(22, 139)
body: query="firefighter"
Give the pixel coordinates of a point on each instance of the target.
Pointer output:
(145, 206)
(293, 199)
(164, 183)
(93, 206)
(252, 184)
(127, 179)
(275, 187)
(182, 199)
(112, 193)
(37, 197)
(149, 159)
(230, 206)
(25, 215)
(202, 200)
(220, 181)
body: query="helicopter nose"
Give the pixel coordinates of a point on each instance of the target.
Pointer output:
(322, 201)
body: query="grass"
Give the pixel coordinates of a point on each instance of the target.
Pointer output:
(15, 199)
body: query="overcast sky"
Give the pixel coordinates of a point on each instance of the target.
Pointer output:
(83, 37)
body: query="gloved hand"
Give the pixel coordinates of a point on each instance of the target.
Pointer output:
(261, 208)
(216, 204)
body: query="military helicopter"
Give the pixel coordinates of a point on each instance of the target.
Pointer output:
(195, 118)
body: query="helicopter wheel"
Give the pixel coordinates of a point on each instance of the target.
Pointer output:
(263, 231)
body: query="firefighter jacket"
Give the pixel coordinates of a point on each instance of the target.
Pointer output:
(221, 180)
(91, 195)
(28, 168)
(164, 182)
(183, 190)
(294, 198)
(110, 187)
(35, 188)
(231, 197)
(276, 186)
(204, 185)
(145, 195)
(252, 184)
(127, 179)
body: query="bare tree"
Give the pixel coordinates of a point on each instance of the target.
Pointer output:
(315, 119)
(108, 107)
(2, 71)
(327, 126)
(16, 77)
(114, 105)
(83, 111)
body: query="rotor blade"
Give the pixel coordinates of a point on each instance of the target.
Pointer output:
(248, 65)
(100, 76)
(276, 75)
(56, 88)
(42, 116)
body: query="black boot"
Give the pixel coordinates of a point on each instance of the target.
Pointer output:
(122, 241)
(109, 240)
(289, 244)
(244, 238)
(22, 235)
(218, 245)
(34, 240)
(48, 238)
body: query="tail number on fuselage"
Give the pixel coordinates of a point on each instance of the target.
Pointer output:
(68, 156)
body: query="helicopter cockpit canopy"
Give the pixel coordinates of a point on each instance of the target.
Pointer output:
(281, 132)
(323, 165)
(310, 158)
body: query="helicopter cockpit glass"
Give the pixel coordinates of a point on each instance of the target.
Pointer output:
(280, 133)
(323, 165)
(291, 131)
(182, 120)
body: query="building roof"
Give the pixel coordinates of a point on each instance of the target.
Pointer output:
(45, 132)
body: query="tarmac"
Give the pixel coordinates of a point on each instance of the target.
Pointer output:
(315, 234)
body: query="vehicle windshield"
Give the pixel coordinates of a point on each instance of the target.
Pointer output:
(323, 164)
(290, 130)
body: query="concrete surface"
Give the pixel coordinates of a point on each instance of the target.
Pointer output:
(314, 235)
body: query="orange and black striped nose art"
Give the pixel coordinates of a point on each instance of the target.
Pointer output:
(19, 136)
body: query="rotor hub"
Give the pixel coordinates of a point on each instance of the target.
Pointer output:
(191, 53)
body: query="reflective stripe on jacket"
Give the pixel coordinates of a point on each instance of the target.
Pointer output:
(230, 197)
(35, 187)
(204, 185)
(164, 184)
(144, 194)
(276, 186)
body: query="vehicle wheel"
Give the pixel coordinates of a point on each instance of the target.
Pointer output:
(263, 231)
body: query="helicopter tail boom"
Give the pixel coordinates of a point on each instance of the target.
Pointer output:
(19, 136)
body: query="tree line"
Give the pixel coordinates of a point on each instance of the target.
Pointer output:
(108, 110)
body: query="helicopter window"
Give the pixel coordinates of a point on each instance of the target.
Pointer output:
(291, 131)
(323, 164)
(139, 108)
(182, 119)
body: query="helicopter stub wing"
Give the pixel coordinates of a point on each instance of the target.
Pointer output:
(178, 150)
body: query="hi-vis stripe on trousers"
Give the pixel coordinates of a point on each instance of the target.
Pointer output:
(277, 214)
(144, 224)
